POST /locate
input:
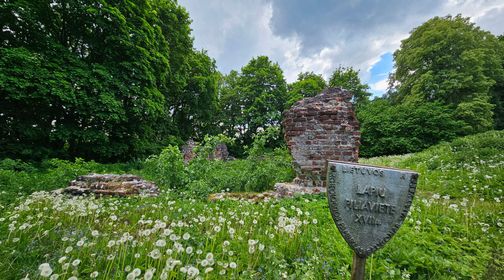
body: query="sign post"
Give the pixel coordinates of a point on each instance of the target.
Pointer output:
(368, 204)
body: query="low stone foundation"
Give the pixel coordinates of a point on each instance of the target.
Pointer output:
(111, 184)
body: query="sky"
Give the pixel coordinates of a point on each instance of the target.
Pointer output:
(320, 35)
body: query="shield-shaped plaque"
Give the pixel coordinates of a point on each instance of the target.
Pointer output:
(368, 203)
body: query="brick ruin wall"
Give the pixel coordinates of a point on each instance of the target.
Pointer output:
(320, 128)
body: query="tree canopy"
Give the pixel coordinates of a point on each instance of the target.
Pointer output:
(97, 79)
(252, 99)
(452, 61)
(308, 84)
(348, 78)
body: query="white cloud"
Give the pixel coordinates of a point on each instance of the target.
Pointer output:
(305, 36)
(380, 86)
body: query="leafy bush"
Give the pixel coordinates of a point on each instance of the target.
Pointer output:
(410, 127)
(167, 168)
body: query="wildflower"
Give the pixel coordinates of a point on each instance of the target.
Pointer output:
(68, 249)
(136, 272)
(130, 276)
(161, 243)
(208, 269)
(76, 262)
(209, 257)
(54, 277)
(62, 259)
(155, 254)
(189, 250)
(261, 247)
(192, 272)
(149, 274)
(95, 233)
(45, 270)
(454, 207)
(186, 236)
(94, 274)
(73, 278)
(232, 265)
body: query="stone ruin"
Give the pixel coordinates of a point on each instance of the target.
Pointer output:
(220, 152)
(188, 150)
(317, 129)
(111, 184)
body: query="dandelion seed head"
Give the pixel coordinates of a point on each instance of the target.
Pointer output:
(45, 270)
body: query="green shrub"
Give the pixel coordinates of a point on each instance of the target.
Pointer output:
(167, 169)
(399, 129)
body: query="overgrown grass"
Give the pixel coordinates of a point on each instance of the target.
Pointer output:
(453, 231)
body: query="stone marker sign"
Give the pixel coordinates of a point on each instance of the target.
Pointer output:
(368, 205)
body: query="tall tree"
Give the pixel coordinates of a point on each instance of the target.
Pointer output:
(197, 111)
(264, 93)
(94, 79)
(252, 99)
(347, 78)
(450, 60)
(498, 95)
(308, 84)
(230, 105)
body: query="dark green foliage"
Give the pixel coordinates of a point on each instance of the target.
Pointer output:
(195, 114)
(308, 84)
(252, 99)
(201, 177)
(452, 61)
(100, 80)
(347, 78)
(404, 128)
(167, 168)
(498, 95)
(476, 115)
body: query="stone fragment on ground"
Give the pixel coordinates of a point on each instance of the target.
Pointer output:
(111, 184)
(281, 190)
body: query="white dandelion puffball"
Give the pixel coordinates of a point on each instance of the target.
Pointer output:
(137, 272)
(45, 270)
(161, 243)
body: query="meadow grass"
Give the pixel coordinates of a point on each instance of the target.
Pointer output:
(453, 231)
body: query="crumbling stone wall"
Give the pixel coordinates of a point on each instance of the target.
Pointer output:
(220, 152)
(320, 128)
